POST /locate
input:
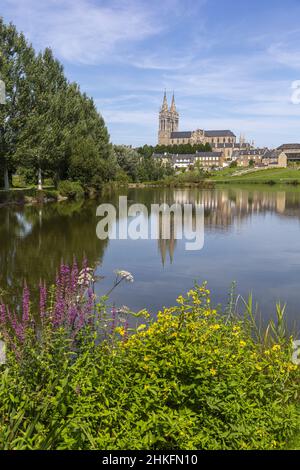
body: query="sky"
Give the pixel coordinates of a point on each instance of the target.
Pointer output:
(231, 64)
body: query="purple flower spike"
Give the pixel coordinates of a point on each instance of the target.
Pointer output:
(26, 304)
(43, 300)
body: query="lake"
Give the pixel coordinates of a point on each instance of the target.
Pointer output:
(251, 236)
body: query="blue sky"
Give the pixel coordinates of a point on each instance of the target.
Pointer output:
(231, 64)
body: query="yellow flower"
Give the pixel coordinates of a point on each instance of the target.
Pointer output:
(180, 300)
(291, 367)
(120, 330)
(236, 330)
(215, 327)
(276, 347)
(242, 343)
(213, 371)
(267, 352)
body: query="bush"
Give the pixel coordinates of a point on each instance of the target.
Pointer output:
(51, 194)
(97, 182)
(192, 379)
(70, 189)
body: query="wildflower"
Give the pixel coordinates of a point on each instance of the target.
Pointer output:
(242, 343)
(276, 347)
(85, 276)
(120, 330)
(43, 299)
(26, 304)
(126, 275)
(291, 367)
(215, 327)
(213, 371)
(180, 300)
(236, 330)
(123, 309)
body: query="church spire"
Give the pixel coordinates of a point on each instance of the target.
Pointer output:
(173, 106)
(165, 106)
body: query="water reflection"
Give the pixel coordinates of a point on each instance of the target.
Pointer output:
(226, 209)
(35, 239)
(251, 236)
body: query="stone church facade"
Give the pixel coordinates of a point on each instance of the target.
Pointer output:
(169, 134)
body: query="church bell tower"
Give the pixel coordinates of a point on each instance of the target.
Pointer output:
(168, 121)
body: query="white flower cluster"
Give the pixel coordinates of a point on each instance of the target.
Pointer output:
(86, 276)
(126, 275)
(2, 353)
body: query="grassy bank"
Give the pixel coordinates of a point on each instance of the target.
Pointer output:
(193, 378)
(65, 190)
(263, 176)
(27, 195)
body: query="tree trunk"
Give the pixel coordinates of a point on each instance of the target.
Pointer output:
(40, 184)
(6, 179)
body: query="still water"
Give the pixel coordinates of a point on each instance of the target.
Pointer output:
(252, 237)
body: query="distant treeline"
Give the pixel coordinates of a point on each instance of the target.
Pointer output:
(148, 150)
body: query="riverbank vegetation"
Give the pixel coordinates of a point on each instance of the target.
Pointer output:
(290, 175)
(81, 375)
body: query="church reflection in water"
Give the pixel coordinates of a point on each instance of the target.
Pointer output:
(225, 209)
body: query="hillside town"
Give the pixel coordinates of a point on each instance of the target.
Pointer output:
(226, 149)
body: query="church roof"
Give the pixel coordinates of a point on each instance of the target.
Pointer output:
(289, 147)
(225, 133)
(181, 135)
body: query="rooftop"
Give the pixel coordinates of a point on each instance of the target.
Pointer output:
(181, 135)
(225, 133)
(289, 147)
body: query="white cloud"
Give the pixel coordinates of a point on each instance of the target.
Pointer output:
(286, 54)
(84, 32)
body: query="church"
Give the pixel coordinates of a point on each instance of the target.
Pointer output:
(169, 134)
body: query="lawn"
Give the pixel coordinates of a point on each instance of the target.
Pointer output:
(275, 175)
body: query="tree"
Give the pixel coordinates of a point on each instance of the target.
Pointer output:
(128, 160)
(15, 60)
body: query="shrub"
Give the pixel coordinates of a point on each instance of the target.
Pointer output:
(97, 182)
(192, 379)
(51, 194)
(70, 189)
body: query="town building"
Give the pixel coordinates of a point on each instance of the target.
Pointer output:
(292, 152)
(244, 157)
(275, 159)
(205, 160)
